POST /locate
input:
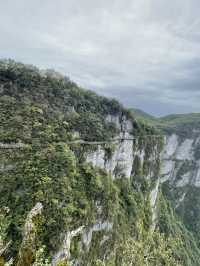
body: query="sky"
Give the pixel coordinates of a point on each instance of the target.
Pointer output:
(145, 53)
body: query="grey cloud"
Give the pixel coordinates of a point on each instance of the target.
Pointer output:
(145, 53)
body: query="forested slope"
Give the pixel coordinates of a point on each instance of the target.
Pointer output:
(55, 206)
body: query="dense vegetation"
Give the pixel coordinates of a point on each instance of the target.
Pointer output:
(182, 124)
(45, 111)
(185, 198)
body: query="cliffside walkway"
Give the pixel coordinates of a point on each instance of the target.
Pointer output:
(21, 145)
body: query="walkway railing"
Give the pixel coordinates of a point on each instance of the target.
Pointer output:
(21, 145)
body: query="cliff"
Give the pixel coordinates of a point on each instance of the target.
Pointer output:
(94, 172)
(180, 175)
(180, 161)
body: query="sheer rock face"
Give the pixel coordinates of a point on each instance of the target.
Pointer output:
(28, 246)
(121, 162)
(180, 162)
(63, 255)
(121, 159)
(153, 201)
(29, 229)
(180, 176)
(97, 227)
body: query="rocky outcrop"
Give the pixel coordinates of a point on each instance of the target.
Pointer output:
(98, 226)
(120, 162)
(4, 244)
(28, 247)
(180, 161)
(63, 255)
(128, 155)
(180, 176)
(153, 201)
(86, 233)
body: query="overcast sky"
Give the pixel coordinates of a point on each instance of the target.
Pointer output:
(146, 53)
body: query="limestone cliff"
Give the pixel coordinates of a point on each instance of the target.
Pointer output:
(91, 171)
(127, 146)
(180, 162)
(131, 155)
(28, 246)
(180, 176)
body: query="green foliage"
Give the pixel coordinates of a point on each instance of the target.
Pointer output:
(188, 210)
(4, 224)
(109, 149)
(185, 168)
(188, 252)
(181, 124)
(35, 106)
(40, 258)
(152, 249)
(44, 110)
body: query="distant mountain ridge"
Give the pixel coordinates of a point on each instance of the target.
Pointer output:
(142, 114)
(180, 117)
(169, 123)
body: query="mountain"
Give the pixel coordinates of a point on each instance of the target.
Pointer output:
(180, 123)
(180, 171)
(180, 167)
(141, 114)
(82, 180)
(144, 117)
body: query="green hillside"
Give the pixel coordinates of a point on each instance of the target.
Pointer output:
(142, 114)
(182, 124)
(177, 123)
(40, 114)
